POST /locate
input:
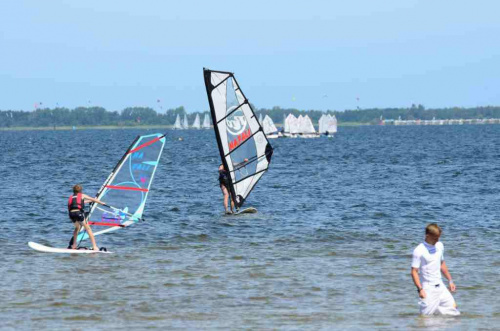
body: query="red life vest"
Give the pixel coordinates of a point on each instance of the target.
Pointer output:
(75, 202)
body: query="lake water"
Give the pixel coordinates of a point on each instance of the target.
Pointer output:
(330, 247)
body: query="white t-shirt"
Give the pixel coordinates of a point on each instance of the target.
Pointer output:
(428, 259)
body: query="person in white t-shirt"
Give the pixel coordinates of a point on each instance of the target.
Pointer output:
(428, 261)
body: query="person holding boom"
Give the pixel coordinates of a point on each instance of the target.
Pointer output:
(76, 204)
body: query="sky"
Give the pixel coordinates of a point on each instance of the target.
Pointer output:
(323, 55)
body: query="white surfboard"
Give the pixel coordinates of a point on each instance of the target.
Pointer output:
(249, 210)
(47, 249)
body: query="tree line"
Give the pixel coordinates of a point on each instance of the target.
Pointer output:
(90, 116)
(132, 116)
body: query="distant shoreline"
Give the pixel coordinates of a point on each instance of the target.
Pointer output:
(90, 127)
(114, 127)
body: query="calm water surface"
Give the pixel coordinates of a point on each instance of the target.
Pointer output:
(329, 249)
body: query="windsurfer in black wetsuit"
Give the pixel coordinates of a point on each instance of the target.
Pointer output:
(76, 203)
(224, 186)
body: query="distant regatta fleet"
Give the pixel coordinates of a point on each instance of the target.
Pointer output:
(293, 127)
(302, 127)
(196, 124)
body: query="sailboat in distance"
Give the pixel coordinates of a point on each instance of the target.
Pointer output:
(291, 126)
(196, 123)
(206, 122)
(244, 149)
(178, 124)
(270, 129)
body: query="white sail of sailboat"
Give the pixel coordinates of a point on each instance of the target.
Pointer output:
(327, 125)
(270, 129)
(206, 122)
(291, 126)
(321, 124)
(306, 128)
(185, 123)
(177, 124)
(331, 126)
(260, 118)
(196, 123)
(300, 124)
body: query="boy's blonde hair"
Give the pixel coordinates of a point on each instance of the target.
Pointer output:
(433, 229)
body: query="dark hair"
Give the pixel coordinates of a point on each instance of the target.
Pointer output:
(77, 188)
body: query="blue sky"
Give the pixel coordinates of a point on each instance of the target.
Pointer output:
(302, 54)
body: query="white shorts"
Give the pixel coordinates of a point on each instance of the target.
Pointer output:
(438, 300)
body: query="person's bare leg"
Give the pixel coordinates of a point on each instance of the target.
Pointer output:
(232, 204)
(75, 234)
(91, 236)
(226, 196)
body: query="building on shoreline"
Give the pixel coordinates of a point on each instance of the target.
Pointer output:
(434, 121)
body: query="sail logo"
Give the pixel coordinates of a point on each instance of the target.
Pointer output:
(138, 155)
(236, 123)
(140, 166)
(240, 139)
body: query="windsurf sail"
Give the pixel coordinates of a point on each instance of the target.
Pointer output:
(244, 149)
(127, 187)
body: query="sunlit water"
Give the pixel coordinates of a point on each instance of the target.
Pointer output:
(330, 247)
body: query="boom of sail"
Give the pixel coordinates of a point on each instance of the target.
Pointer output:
(127, 187)
(243, 146)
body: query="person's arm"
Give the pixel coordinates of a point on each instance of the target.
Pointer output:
(415, 265)
(446, 273)
(416, 281)
(86, 197)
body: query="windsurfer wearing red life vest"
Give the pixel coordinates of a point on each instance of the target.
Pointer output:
(77, 215)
